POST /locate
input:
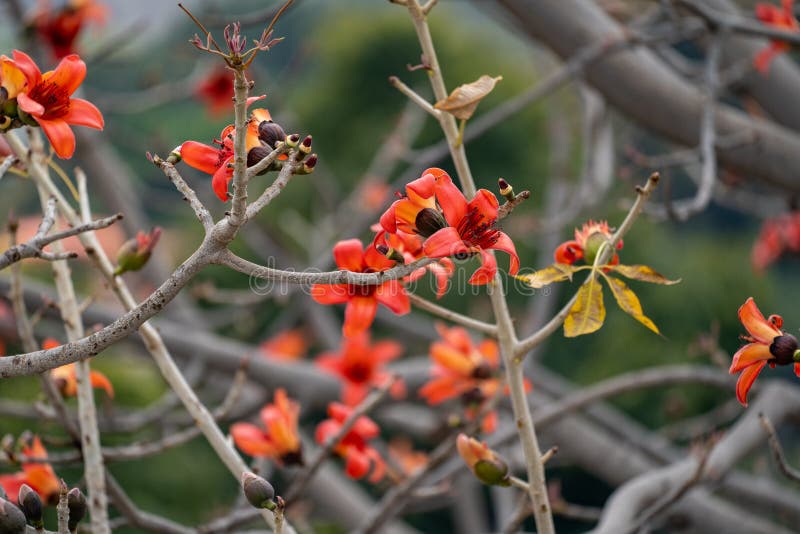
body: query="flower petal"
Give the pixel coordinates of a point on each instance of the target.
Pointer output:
(755, 324)
(359, 314)
(445, 242)
(505, 244)
(746, 380)
(202, 157)
(251, 440)
(486, 205)
(487, 271)
(29, 105)
(452, 201)
(222, 177)
(356, 464)
(84, 113)
(331, 293)
(60, 136)
(393, 295)
(28, 67)
(68, 75)
(349, 255)
(750, 354)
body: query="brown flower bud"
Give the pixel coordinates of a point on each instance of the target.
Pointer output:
(12, 520)
(783, 348)
(76, 502)
(31, 505)
(270, 133)
(258, 491)
(429, 221)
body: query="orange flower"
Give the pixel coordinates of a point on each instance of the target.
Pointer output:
(218, 161)
(66, 378)
(353, 446)
(362, 301)
(408, 247)
(289, 345)
(216, 90)
(38, 475)
(586, 244)
(768, 344)
(60, 28)
(435, 209)
(781, 18)
(47, 99)
(484, 463)
(360, 366)
(280, 441)
(405, 457)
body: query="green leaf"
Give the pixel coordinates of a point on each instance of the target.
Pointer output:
(643, 273)
(629, 302)
(588, 312)
(558, 272)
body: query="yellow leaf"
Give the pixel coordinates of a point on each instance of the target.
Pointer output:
(588, 312)
(465, 98)
(643, 273)
(558, 272)
(629, 302)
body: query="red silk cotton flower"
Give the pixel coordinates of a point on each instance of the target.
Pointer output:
(216, 90)
(353, 446)
(778, 236)
(781, 18)
(280, 440)
(359, 364)
(768, 344)
(218, 160)
(586, 244)
(60, 28)
(362, 300)
(435, 209)
(46, 98)
(38, 474)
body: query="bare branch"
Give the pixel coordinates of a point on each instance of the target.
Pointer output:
(777, 451)
(452, 316)
(188, 193)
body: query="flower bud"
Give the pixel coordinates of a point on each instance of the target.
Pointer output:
(484, 463)
(309, 164)
(429, 221)
(784, 348)
(174, 156)
(270, 133)
(134, 253)
(305, 146)
(593, 244)
(31, 505)
(76, 502)
(505, 189)
(258, 491)
(292, 140)
(390, 253)
(12, 520)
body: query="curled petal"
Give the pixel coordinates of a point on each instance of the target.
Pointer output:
(750, 354)
(99, 380)
(68, 75)
(746, 379)
(486, 205)
(84, 113)
(202, 157)
(28, 67)
(388, 219)
(487, 271)
(452, 201)
(755, 324)
(505, 244)
(222, 177)
(60, 136)
(29, 106)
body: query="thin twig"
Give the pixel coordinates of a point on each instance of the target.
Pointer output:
(188, 193)
(415, 97)
(6, 164)
(777, 450)
(453, 316)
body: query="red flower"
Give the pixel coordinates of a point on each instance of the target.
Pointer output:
(778, 236)
(216, 90)
(46, 98)
(464, 370)
(586, 244)
(280, 441)
(38, 475)
(353, 446)
(362, 301)
(66, 378)
(218, 161)
(768, 344)
(360, 366)
(409, 248)
(435, 209)
(289, 345)
(60, 28)
(781, 18)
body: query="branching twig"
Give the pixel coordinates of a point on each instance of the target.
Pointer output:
(777, 451)
(452, 316)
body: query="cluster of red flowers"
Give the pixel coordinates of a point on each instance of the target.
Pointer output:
(28, 97)
(781, 18)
